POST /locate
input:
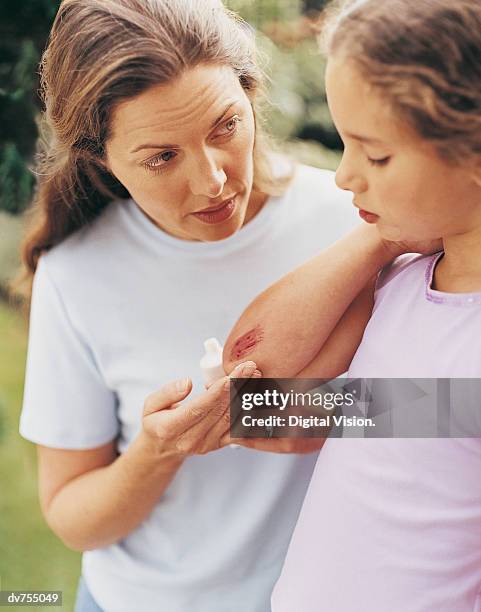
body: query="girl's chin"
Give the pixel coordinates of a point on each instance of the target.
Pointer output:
(396, 234)
(391, 232)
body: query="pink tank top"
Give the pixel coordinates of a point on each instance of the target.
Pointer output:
(394, 524)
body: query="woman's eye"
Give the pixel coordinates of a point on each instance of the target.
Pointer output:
(379, 162)
(229, 126)
(160, 160)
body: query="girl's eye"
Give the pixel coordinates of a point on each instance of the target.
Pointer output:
(160, 160)
(378, 162)
(229, 126)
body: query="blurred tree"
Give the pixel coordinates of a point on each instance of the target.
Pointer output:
(312, 7)
(24, 27)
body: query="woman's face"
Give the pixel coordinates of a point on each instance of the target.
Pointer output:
(184, 151)
(397, 178)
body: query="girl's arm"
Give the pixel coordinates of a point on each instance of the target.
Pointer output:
(336, 354)
(284, 329)
(332, 360)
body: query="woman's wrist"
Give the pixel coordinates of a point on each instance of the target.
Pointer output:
(154, 452)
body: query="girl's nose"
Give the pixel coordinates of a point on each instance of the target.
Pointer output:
(348, 177)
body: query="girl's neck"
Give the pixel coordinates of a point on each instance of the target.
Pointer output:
(459, 271)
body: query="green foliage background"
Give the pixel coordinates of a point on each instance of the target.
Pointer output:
(23, 32)
(31, 557)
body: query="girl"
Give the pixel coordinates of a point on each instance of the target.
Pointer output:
(392, 524)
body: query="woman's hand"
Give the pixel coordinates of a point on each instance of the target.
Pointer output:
(195, 427)
(280, 445)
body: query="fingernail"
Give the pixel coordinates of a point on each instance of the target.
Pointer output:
(245, 369)
(182, 384)
(257, 374)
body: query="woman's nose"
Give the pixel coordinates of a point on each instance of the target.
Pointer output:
(348, 177)
(207, 176)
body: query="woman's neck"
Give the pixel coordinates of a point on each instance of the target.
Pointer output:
(256, 202)
(459, 271)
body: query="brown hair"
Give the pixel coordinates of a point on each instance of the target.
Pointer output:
(424, 57)
(101, 52)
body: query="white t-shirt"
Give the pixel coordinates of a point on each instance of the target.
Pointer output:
(121, 308)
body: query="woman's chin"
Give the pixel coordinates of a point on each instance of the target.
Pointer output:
(219, 231)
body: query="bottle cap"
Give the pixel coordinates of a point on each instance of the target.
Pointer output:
(212, 345)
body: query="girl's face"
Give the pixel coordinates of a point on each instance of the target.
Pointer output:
(184, 151)
(398, 180)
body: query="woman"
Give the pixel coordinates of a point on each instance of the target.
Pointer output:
(160, 214)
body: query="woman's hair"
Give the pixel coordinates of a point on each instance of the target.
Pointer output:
(102, 52)
(423, 56)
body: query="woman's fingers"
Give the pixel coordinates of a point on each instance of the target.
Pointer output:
(208, 432)
(167, 395)
(205, 435)
(280, 445)
(201, 410)
(206, 419)
(243, 370)
(198, 425)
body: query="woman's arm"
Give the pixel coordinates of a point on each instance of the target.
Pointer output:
(284, 329)
(94, 498)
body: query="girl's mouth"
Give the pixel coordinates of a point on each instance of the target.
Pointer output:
(368, 217)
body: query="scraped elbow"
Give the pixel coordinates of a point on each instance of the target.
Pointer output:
(241, 347)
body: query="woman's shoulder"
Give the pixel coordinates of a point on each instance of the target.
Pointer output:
(311, 175)
(93, 240)
(318, 186)
(90, 248)
(314, 196)
(302, 176)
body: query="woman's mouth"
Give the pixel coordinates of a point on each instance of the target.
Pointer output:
(217, 214)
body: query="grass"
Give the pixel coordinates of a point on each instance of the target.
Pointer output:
(31, 557)
(10, 233)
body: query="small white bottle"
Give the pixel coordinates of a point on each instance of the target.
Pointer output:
(211, 365)
(211, 362)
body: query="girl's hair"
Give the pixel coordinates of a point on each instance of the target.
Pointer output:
(423, 56)
(102, 52)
